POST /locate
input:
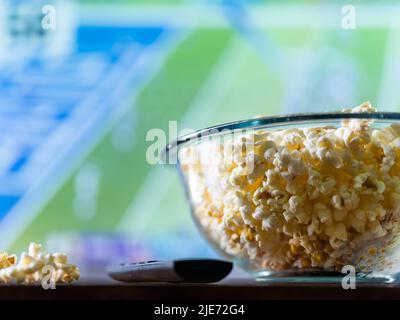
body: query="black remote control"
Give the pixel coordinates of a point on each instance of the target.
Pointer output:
(184, 270)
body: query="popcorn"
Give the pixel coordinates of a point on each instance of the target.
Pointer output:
(315, 195)
(30, 265)
(7, 260)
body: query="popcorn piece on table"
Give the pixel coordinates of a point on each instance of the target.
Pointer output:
(28, 269)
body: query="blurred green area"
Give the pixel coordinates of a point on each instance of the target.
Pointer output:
(123, 173)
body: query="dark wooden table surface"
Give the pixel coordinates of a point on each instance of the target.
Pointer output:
(228, 289)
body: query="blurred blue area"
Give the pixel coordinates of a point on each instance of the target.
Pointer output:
(43, 95)
(104, 38)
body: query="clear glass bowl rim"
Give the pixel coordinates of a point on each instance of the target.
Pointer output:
(274, 121)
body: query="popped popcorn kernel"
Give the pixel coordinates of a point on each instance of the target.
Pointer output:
(7, 260)
(314, 198)
(372, 251)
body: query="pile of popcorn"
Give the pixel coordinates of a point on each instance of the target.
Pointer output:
(315, 197)
(29, 268)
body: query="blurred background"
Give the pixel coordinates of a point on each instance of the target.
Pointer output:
(81, 83)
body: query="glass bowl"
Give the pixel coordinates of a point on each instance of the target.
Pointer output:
(304, 197)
